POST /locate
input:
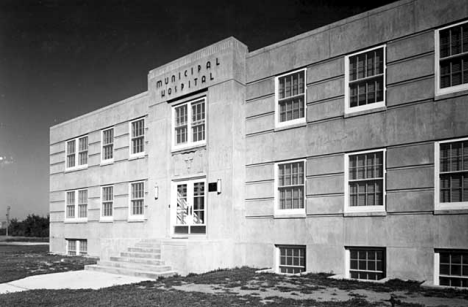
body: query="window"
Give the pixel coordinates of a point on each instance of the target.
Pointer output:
(107, 145)
(366, 263)
(71, 247)
(451, 182)
(292, 259)
(137, 129)
(77, 153)
(365, 181)
(190, 123)
(107, 203)
(290, 187)
(290, 92)
(137, 199)
(82, 203)
(451, 58)
(365, 80)
(451, 268)
(76, 205)
(77, 247)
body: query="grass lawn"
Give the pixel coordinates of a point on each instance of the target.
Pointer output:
(236, 287)
(20, 261)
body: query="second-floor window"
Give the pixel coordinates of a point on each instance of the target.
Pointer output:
(365, 80)
(77, 152)
(190, 123)
(290, 98)
(108, 145)
(137, 135)
(452, 58)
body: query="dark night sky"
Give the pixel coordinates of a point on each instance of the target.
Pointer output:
(62, 59)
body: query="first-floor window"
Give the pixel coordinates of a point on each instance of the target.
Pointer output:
(453, 268)
(365, 177)
(367, 263)
(291, 185)
(292, 259)
(137, 198)
(107, 201)
(76, 204)
(83, 247)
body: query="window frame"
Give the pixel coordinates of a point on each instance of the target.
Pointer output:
(365, 209)
(189, 143)
(289, 212)
(106, 218)
(277, 259)
(293, 122)
(365, 248)
(76, 205)
(372, 106)
(103, 159)
(437, 275)
(438, 205)
(78, 251)
(451, 89)
(131, 216)
(133, 155)
(76, 153)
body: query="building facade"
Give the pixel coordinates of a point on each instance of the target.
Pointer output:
(344, 150)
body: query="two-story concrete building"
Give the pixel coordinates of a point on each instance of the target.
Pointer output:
(343, 149)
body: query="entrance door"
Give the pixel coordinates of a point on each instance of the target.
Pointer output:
(189, 212)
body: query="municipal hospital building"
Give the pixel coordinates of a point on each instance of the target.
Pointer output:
(342, 150)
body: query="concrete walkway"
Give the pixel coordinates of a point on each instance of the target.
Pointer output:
(69, 280)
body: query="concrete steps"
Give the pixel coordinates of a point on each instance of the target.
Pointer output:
(142, 260)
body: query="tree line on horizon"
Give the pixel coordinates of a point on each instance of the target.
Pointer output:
(32, 226)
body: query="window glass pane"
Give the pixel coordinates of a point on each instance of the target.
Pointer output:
(291, 91)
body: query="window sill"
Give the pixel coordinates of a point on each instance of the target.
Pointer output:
(447, 93)
(290, 125)
(447, 211)
(107, 162)
(136, 219)
(110, 220)
(136, 156)
(181, 149)
(76, 168)
(365, 213)
(350, 113)
(298, 215)
(75, 221)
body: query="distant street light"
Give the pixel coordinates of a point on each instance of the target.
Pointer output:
(7, 220)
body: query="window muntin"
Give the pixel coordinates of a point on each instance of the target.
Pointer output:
(77, 153)
(76, 203)
(367, 263)
(291, 98)
(291, 185)
(107, 202)
(292, 259)
(189, 124)
(452, 58)
(365, 181)
(365, 80)
(451, 182)
(137, 200)
(108, 145)
(453, 268)
(137, 137)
